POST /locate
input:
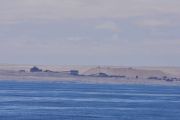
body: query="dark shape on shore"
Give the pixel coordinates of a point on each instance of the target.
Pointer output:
(22, 71)
(103, 75)
(154, 78)
(35, 69)
(118, 76)
(48, 71)
(169, 79)
(74, 72)
(100, 75)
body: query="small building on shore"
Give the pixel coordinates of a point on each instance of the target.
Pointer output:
(74, 72)
(35, 69)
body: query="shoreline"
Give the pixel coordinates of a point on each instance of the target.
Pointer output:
(90, 75)
(93, 80)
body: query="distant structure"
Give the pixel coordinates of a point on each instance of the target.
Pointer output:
(48, 71)
(99, 75)
(35, 69)
(102, 75)
(22, 71)
(74, 72)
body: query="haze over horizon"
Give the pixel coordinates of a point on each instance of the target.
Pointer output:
(90, 32)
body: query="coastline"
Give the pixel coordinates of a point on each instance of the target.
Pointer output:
(91, 80)
(90, 75)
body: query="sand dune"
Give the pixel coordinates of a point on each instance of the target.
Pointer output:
(130, 72)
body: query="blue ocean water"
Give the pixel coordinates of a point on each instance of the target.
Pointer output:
(71, 101)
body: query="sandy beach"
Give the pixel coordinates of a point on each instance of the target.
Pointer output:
(88, 74)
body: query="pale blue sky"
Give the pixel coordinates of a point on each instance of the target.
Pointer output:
(90, 32)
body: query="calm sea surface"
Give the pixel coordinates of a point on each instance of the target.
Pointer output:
(70, 101)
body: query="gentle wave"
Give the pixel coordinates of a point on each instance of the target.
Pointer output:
(89, 93)
(57, 99)
(69, 108)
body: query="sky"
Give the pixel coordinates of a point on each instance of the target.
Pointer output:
(90, 32)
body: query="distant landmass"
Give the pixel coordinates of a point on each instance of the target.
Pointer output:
(92, 74)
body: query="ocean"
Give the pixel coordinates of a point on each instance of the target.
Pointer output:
(73, 101)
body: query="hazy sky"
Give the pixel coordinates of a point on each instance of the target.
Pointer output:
(90, 32)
